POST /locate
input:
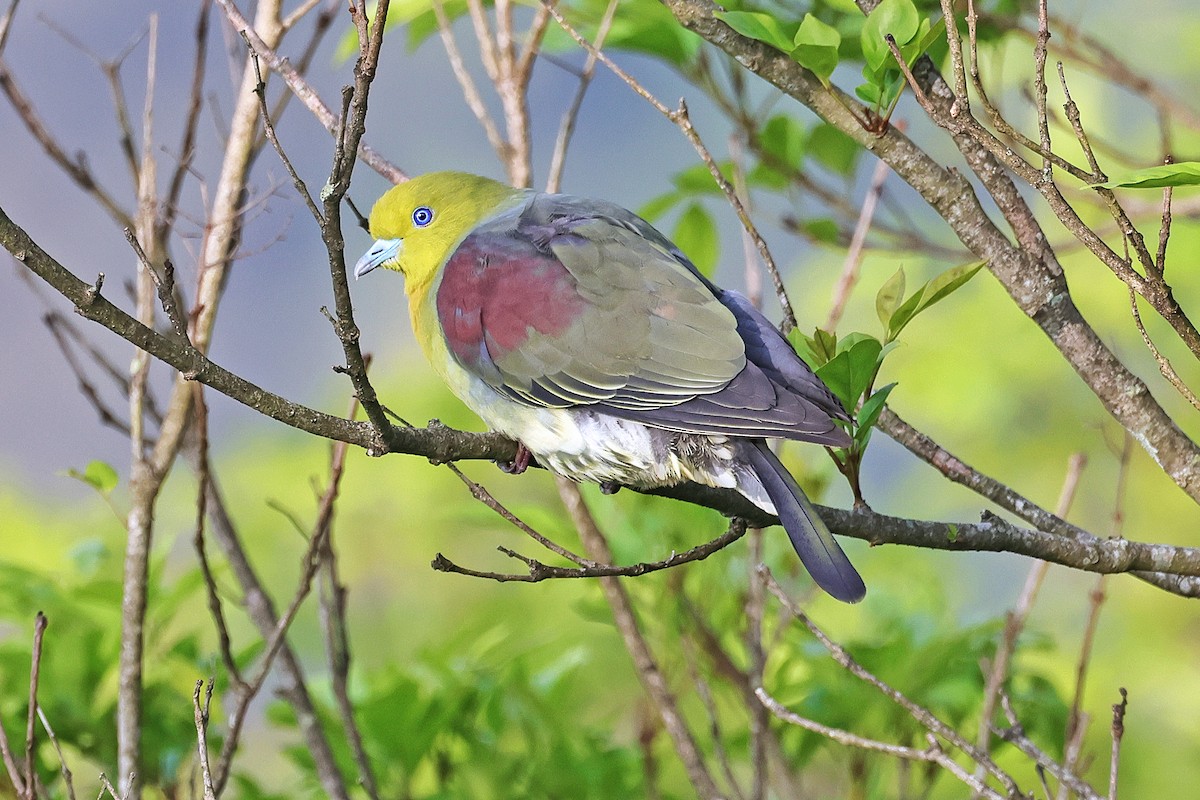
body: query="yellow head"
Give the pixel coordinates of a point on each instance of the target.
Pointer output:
(417, 224)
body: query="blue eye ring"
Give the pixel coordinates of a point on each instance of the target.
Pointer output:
(422, 216)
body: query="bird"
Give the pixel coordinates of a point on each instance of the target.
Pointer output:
(574, 327)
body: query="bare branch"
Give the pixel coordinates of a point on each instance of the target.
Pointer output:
(1014, 620)
(201, 718)
(332, 607)
(292, 686)
(481, 494)
(1118, 733)
(260, 89)
(76, 168)
(304, 91)
(922, 715)
(854, 254)
(648, 670)
(1165, 367)
(567, 127)
(15, 774)
(35, 670)
(1015, 735)
(62, 760)
(680, 118)
(540, 572)
(466, 82)
(933, 754)
(6, 23)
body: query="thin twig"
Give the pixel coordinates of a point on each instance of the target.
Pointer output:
(715, 737)
(204, 485)
(292, 686)
(757, 658)
(332, 605)
(1076, 719)
(195, 103)
(164, 284)
(106, 786)
(1014, 621)
(1164, 227)
(540, 572)
(310, 563)
(1118, 733)
(465, 82)
(1015, 735)
(35, 669)
(76, 168)
(567, 127)
(922, 715)
(933, 754)
(1165, 368)
(6, 23)
(481, 494)
(648, 671)
(62, 760)
(200, 712)
(854, 254)
(680, 118)
(15, 775)
(260, 89)
(304, 91)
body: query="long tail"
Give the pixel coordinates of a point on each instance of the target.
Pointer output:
(814, 543)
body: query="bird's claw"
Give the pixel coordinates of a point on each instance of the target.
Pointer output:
(609, 487)
(518, 464)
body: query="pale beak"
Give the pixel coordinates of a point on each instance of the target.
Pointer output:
(383, 251)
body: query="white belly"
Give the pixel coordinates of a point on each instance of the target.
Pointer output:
(586, 445)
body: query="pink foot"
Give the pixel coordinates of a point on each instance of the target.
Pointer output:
(518, 464)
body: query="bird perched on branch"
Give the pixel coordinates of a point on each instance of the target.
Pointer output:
(574, 327)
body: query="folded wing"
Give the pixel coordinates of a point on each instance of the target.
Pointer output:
(565, 302)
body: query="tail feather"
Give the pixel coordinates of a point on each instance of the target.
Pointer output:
(814, 543)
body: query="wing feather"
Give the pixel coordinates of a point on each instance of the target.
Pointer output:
(565, 302)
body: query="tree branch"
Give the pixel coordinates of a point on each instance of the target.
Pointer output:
(1031, 276)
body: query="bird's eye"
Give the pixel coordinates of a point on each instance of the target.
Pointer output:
(422, 216)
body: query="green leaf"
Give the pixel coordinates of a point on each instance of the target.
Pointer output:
(936, 33)
(833, 149)
(932, 292)
(888, 299)
(950, 280)
(760, 26)
(851, 371)
(696, 179)
(1185, 173)
(872, 407)
(825, 344)
(657, 206)
(816, 47)
(648, 27)
(784, 139)
(870, 93)
(848, 341)
(822, 230)
(696, 235)
(903, 315)
(897, 17)
(805, 347)
(97, 474)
